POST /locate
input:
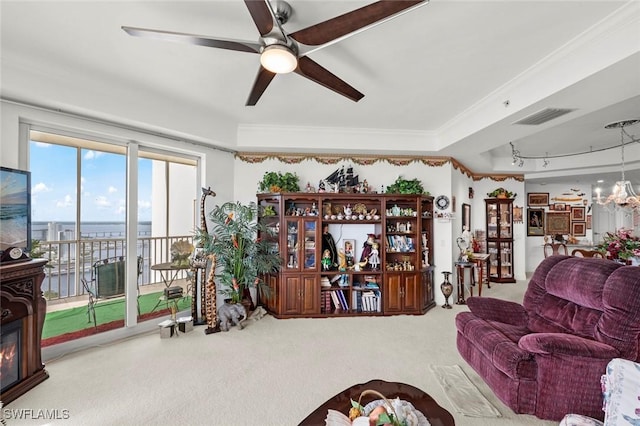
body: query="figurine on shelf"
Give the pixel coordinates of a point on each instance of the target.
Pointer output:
(321, 187)
(348, 253)
(374, 257)
(326, 260)
(365, 187)
(366, 247)
(328, 243)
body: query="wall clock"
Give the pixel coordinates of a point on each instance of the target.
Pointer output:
(442, 202)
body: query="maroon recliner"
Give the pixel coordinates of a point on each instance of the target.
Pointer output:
(545, 357)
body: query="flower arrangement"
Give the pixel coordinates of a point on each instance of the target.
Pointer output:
(620, 245)
(242, 257)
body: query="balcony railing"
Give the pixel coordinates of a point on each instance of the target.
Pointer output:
(71, 260)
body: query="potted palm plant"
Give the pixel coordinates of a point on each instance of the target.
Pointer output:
(242, 258)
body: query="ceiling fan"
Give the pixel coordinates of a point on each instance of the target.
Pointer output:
(283, 52)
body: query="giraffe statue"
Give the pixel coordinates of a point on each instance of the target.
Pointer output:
(199, 265)
(211, 304)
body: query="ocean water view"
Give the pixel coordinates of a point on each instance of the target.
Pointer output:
(40, 230)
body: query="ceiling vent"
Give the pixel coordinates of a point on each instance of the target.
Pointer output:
(543, 116)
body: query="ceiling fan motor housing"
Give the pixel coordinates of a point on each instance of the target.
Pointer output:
(282, 10)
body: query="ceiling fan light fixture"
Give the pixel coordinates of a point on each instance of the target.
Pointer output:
(278, 59)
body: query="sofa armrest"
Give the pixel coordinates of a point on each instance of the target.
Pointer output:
(566, 344)
(504, 311)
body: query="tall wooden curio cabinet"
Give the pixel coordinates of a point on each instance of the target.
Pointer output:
(499, 216)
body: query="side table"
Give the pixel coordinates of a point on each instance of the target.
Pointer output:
(481, 260)
(461, 267)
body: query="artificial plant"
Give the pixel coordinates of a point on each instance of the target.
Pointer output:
(243, 255)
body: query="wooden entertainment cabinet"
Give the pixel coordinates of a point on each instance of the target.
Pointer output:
(23, 311)
(402, 282)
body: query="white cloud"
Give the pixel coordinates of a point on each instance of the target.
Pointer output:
(143, 204)
(90, 155)
(40, 187)
(66, 202)
(112, 189)
(101, 201)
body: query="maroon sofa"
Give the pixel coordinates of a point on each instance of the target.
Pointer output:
(545, 357)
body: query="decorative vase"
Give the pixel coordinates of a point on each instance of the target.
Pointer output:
(447, 289)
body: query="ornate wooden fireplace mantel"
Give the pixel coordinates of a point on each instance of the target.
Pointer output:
(22, 310)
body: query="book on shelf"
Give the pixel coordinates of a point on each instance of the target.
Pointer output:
(370, 301)
(326, 302)
(400, 243)
(335, 300)
(343, 300)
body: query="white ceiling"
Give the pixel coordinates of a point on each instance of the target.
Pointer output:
(454, 75)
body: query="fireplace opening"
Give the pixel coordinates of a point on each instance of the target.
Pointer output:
(10, 354)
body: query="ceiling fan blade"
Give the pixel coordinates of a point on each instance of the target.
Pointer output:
(265, 19)
(261, 15)
(221, 43)
(263, 79)
(352, 22)
(310, 69)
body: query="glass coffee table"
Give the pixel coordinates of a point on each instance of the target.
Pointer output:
(424, 403)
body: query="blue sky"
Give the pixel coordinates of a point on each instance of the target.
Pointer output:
(103, 185)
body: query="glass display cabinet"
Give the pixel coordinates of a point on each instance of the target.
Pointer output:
(499, 239)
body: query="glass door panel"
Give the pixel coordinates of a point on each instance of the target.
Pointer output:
(506, 263)
(310, 244)
(492, 249)
(293, 247)
(492, 221)
(505, 220)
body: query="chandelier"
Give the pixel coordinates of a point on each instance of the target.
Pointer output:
(623, 196)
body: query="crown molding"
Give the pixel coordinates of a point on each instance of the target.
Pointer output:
(363, 160)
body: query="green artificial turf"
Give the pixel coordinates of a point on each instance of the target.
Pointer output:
(75, 319)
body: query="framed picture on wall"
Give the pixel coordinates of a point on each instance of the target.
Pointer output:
(538, 199)
(588, 221)
(577, 214)
(559, 207)
(558, 222)
(579, 229)
(535, 222)
(466, 217)
(517, 214)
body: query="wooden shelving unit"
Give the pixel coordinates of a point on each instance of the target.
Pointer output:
(401, 282)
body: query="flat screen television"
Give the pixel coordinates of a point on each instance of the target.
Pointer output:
(15, 209)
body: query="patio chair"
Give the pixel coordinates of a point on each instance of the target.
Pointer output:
(107, 282)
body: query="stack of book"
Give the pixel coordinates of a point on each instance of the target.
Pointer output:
(370, 302)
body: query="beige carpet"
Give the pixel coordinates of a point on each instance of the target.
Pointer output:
(461, 393)
(274, 372)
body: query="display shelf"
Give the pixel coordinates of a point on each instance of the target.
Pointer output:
(499, 239)
(399, 262)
